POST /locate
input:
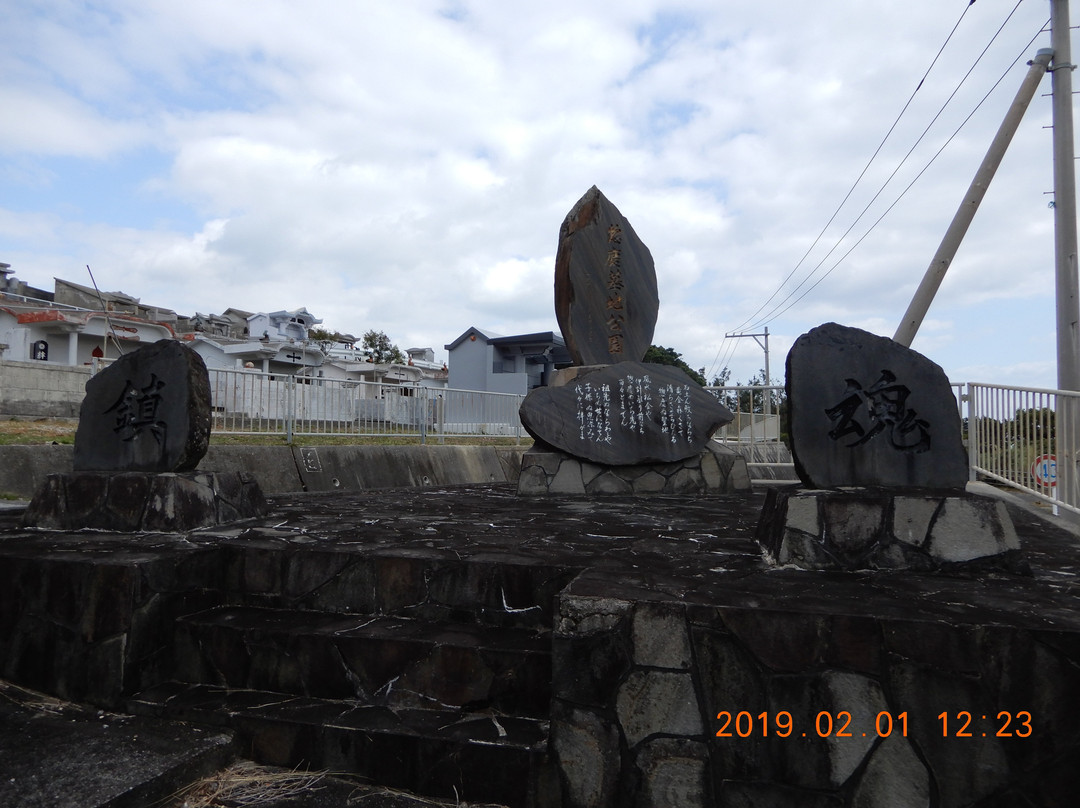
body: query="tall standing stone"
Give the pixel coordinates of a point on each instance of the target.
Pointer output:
(148, 411)
(606, 297)
(876, 439)
(868, 411)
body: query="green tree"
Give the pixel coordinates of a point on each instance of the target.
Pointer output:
(382, 350)
(323, 338)
(659, 355)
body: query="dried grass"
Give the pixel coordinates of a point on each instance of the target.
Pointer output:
(248, 785)
(245, 784)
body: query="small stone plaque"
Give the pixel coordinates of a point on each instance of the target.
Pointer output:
(626, 413)
(148, 411)
(867, 411)
(606, 298)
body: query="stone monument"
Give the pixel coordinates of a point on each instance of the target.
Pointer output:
(612, 424)
(144, 425)
(876, 439)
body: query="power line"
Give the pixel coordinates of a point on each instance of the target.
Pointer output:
(907, 188)
(866, 168)
(744, 325)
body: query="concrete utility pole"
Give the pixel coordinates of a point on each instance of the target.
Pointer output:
(935, 273)
(767, 396)
(1065, 268)
(1068, 297)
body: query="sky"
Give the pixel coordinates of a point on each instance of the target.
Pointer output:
(405, 167)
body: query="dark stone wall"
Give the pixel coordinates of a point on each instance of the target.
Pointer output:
(642, 689)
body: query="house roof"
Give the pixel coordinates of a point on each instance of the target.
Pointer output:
(79, 319)
(540, 337)
(469, 332)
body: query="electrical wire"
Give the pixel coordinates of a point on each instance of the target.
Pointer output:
(907, 188)
(745, 324)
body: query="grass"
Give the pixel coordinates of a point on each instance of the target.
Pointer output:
(19, 431)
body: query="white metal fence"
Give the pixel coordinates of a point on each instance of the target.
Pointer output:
(249, 402)
(1025, 438)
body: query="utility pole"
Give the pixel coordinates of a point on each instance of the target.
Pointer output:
(1065, 268)
(767, 395)
(1068, 297)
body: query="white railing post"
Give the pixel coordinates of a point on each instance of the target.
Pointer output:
(972, 428)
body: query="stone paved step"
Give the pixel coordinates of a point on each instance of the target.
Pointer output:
(55, 754)
(391, 661)
(459, 755)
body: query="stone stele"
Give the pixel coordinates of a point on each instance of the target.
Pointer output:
(624, 414)
(606, 298)
(867, 411)
(148, 411)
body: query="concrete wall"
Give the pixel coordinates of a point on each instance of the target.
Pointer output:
(285, 469)
(42, 390)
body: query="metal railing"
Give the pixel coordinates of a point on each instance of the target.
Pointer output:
(1025, 438)
(247, 402)
(756, 430)
(756, 409)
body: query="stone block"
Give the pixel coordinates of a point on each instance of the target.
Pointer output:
(142, 501)
(651, 482)
(967, 528)
(567, 481)
(894, 777)
(717, 470)
(609, 483)
(911, 518)
(673, 772)
(587, 750)
(888, 529)
(827, 762)
(660, 637)
(653, 702)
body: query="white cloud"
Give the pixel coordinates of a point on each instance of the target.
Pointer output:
(406, 166)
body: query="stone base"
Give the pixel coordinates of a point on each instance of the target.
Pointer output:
(144, 501)
(868, 528)
(717, 470)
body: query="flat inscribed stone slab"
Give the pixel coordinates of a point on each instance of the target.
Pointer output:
(148, 411)
(606, 298)
(624, 414)
(867, 411)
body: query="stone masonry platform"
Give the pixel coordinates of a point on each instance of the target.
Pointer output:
(468, 644)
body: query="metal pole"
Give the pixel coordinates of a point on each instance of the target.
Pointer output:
(766, 398)
(935, 273)
(768, 378)
(1068, 308)
(1068, 313)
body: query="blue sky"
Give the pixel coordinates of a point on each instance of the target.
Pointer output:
(406, 166)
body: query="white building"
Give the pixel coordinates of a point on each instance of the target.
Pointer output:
(480, 360)
(69, 337)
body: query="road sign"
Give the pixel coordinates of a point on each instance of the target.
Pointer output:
(1044, 470)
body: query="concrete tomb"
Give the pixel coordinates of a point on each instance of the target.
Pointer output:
(876, 440)
(143, 428)
(613, 424)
